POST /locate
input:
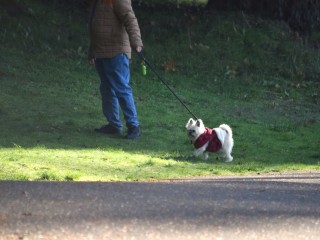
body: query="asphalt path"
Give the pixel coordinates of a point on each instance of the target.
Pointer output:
(280, 206)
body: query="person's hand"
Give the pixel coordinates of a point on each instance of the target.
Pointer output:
(91, 61)
(139, 49)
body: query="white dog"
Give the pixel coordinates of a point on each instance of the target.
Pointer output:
(207, 140)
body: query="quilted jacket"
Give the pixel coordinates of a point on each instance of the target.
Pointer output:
(210, 136)
(113, 29)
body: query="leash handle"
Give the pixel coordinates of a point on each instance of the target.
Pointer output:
(141, 55)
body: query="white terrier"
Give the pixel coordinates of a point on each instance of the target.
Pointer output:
(207, 140)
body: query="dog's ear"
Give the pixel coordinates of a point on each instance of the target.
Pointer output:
(198, 123)
(190, 123)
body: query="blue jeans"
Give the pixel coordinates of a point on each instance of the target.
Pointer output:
(115, 90)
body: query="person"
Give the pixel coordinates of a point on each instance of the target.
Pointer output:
(114, 32)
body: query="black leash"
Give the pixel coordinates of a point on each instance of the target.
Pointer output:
(160, 78)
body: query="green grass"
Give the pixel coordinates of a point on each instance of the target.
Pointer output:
(228, 67)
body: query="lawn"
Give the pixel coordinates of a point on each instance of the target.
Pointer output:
(253, 74)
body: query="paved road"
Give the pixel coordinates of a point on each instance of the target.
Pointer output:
(285, 206)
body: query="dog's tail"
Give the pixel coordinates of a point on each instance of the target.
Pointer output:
(227, 128)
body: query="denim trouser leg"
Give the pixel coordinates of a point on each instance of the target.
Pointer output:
(115, 90)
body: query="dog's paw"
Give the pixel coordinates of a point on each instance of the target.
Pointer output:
(228, 159)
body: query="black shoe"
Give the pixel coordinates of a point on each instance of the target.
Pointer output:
(108, 129)
(133, 132)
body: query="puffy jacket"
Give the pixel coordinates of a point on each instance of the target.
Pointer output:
(113, 28)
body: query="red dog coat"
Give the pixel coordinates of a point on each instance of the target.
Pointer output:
(210, 136)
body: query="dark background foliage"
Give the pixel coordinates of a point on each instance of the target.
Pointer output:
(301, 15)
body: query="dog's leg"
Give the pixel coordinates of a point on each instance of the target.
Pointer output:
(228, 158)
(206, 155)
(226, 153)
(199, 151)
(227, 148)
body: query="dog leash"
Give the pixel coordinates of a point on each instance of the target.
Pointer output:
(161, 79)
